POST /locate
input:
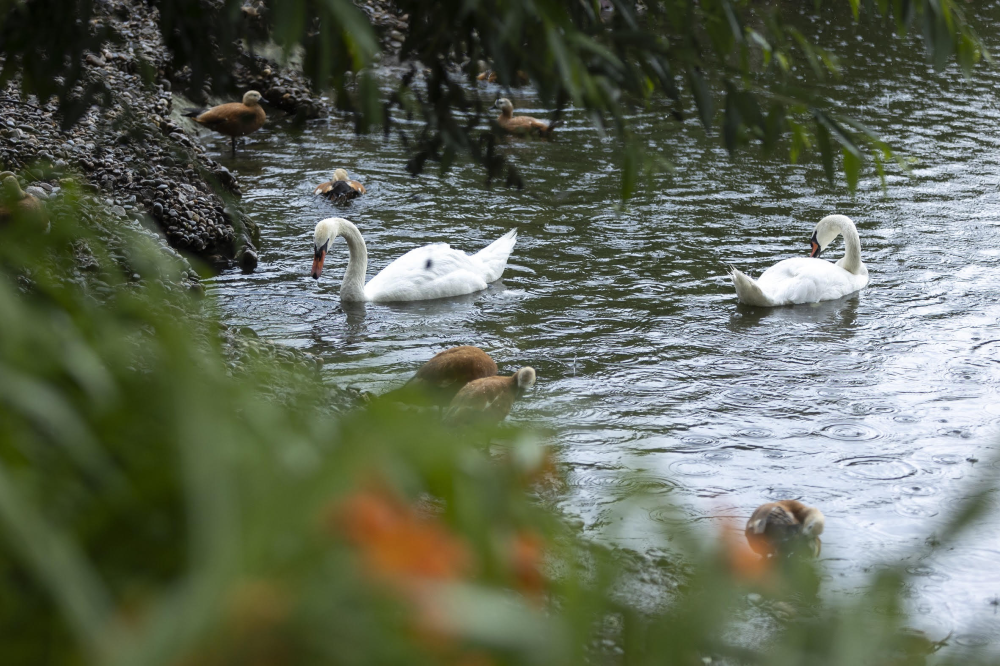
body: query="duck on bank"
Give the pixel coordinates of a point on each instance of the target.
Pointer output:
(16, 203)
(340, 189)
(234, 119)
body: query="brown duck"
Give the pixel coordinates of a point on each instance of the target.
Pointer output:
(15, 202)
(340, 189)
(521, 124)
(490, 76)
(784, 528)
(234, 119)
(439, 379)
(488, 400)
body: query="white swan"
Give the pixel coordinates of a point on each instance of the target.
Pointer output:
(432, 271)
(809, 279)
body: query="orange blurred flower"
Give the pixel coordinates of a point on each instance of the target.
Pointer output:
(526, 558)
(398, 543)
(744, 565)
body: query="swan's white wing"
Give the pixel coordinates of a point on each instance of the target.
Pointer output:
(494, 256)
(432, 271)
(808, 280)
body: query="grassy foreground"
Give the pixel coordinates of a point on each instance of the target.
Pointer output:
(163, 504)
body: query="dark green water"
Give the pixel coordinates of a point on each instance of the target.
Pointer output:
(872, 407)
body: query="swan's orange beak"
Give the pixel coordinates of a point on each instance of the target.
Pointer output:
(318, 260)
(816, 249)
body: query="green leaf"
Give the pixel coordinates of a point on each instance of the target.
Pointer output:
(880, 170)
(841, 135)
(852, 169)
(702, 97)
(825, 150)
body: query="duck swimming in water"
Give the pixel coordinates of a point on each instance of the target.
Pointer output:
(785, 527)
(341, 189)
(488, 400)
(439, 379)
(521, 124)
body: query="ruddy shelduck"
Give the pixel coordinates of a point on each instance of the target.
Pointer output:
(234, 119)
(784, 528)
(488, 400)
(439, 379)
(521, 124)
(341, 189)
(18, 203)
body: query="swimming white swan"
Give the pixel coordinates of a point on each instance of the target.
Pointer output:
(432, 271)
(809, 279)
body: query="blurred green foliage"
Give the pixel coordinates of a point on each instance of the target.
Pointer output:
(739, 65)
(158, 506)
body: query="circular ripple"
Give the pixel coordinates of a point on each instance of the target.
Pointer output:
(877, 468)
(742, 397)
(925, 571)
(914, 510)
(850, 432)
(623, 483)
(755, 433)
(718, 455)
(699, 441)
(693, 468)
(973, 640)
(947, 459)
(780, 493)
(915, 489)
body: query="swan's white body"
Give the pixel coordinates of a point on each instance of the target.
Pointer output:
(432, 271)
(809, 279)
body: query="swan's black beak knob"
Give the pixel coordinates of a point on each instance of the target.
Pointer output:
(816, 249)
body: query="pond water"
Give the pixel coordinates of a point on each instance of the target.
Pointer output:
(881, 408)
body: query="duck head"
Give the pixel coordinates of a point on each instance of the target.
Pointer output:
(326, 231)
(340, 174)
(504, 105)
(525, 378)
(813, 522)
(251, 98)
(11, 188)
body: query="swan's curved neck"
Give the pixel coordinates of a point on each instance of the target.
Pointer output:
(353, 286)
(851, 261)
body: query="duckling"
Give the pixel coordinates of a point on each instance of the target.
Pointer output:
(340, 189)
(521, 124)
(488, 400)
(17, 202)
(439, 379)
(785, 527)
(234, 119)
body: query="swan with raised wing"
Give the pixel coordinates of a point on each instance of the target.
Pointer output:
(431, 271)
(809, 279)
